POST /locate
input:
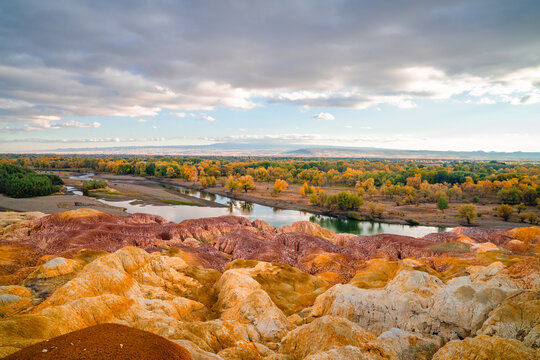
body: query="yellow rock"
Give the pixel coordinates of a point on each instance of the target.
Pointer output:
(485, 347)
(310, 228)
(327, 333)
(289, 288)
(244, 350)
(241, 298)
(129, 287)
(57, 266)
(529, 234)
(9, 219)
(14, 299)
(515, 318)
(212, 336)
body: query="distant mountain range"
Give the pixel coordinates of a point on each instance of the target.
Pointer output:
(295, 150)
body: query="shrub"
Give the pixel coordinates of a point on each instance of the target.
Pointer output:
(468, 212)
(509, 196)
(521, 207)
(376, 210)
(505, 211)
(442, 203)
(93, 184)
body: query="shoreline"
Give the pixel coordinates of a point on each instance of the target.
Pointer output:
(285, 205)
(429, 217)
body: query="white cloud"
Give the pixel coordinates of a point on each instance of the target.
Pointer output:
(324, 116)
(207, 118)
(486, 101)
(154, 127)
(142, 120)
(41, 123)
(183, 114)
(242, 130)
(76, 124)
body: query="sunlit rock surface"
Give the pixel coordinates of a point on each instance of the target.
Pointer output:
(485, 347)
(228, 288)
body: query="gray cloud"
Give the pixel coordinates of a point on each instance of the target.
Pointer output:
(134, 58)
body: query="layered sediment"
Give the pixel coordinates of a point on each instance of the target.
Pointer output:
(228, 288)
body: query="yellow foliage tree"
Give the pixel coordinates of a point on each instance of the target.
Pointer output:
(232, 184)
(279, 186)
(246, 183)
(306, 189)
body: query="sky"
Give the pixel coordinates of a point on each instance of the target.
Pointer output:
(430, 75)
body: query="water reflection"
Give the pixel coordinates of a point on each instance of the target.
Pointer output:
(86, 176)
(273, 216)
(246, 207)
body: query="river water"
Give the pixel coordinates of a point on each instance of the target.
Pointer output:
(273, 216)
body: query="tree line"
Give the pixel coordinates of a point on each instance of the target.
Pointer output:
(17, 181)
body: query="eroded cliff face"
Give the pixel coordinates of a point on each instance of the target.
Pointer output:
(226, 288)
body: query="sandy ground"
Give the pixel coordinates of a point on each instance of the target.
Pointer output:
(56, 203)
(149, 193)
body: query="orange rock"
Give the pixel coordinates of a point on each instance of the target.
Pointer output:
(327, 333)
(485, 347)
(529, 234)
(310, 228)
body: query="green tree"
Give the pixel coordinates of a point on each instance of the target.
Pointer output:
(529, 196)
(509, 196)
(442, 203)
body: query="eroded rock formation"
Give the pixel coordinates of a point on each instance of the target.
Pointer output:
(228, 288)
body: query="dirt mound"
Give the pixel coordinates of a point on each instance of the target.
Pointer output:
(105, 341)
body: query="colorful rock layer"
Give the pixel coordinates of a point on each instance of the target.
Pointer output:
(228, 288)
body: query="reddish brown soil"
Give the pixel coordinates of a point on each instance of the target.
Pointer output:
(225, 238)
(104, 342)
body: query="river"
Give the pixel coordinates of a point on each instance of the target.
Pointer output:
(273, 216)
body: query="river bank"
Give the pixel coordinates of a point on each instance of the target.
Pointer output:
(422, 214)
(290, 199)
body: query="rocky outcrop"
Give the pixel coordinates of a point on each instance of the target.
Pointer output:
(415, 301)
(408, 346)
(331, 336)
(486, 348)
(480, 235)
(241, 298)
(228, 288)
(14, 299)
(515, 318)
(307, 227)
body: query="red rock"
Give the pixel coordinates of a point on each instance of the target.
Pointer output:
(104, 342)
(478, 234)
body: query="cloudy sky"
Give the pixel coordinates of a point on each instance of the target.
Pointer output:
(445, 75)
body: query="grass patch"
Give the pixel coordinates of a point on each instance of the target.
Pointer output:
(176, 202)
(455, 246)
